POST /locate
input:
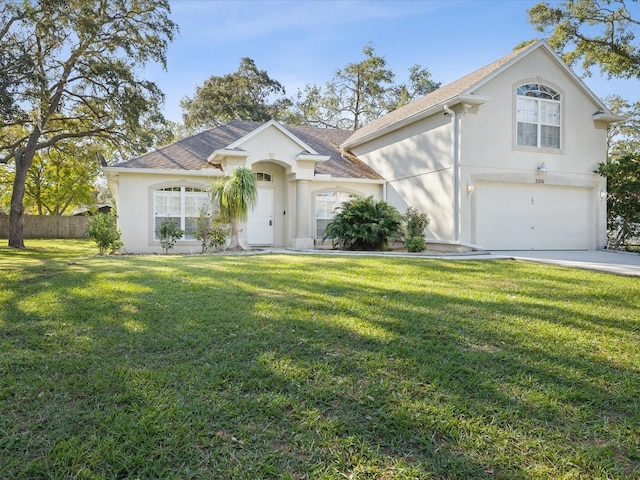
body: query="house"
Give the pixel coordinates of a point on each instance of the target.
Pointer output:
(502, 158)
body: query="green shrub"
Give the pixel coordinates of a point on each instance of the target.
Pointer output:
(364, 224)
(169, 233)
(416, 223)
(211, 231)
(103, 230)
(415, 244)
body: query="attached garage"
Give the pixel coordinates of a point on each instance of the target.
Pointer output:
(517, 216)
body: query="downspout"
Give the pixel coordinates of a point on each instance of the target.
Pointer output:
(455, 172)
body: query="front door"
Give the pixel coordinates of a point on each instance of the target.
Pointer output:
(261, 224)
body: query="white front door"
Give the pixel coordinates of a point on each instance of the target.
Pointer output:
(261, 224)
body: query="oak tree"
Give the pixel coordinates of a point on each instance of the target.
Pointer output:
(247, 94)
(87, 58)
(592, 32)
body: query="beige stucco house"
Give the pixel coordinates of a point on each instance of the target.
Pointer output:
(502, 158)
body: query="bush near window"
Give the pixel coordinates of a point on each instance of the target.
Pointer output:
(211, 231)
(102, 229)
(364, 224)
(416, 223)
(168, 233)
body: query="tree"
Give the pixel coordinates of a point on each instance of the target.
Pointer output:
(359, 93)
(86, 56)
(597, 32)
(623, 199)
(16, 64)
(420, 84)
(236, 195)
(61, 178)
(623, 137)
(247, 94)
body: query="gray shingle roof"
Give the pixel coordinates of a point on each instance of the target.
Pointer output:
(192, 152)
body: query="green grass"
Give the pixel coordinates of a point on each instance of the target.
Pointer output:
(319, 367)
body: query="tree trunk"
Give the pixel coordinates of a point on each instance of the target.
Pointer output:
(24, 159)
(234, 244)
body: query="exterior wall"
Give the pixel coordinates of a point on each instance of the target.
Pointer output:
(135, 210)
(491, 154)
(268, 151)
(416, 161)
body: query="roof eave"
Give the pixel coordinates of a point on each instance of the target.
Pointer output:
(205, 172)
(608, 117)
(465, 99)
(226, 152)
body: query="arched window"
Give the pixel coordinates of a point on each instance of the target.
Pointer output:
(183, 205)
(326, 203)
(538, 113)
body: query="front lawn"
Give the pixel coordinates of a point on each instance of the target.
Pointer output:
(318, 367)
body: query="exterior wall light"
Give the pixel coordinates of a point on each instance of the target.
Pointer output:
(542, 169)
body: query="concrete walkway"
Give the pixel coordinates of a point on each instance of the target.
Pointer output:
(621, 263)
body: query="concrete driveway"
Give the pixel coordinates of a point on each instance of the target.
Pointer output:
(622, 263)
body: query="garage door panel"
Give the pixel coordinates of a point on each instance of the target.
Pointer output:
(528, 217)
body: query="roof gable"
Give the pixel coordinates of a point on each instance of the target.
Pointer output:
(458, 91)
(273, 124)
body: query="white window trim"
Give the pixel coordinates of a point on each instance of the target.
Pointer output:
(339, 202)
(153, 239)
(539, 124)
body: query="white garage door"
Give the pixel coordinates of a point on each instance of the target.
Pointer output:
(512, 216)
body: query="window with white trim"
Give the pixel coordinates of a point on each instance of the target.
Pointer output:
(326, 204)
(262, 177)
(183, 205)
(538, 113)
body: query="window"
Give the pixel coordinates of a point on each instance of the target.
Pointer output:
(326, 203)
(538, 116)
(182, 204)
(262, 177)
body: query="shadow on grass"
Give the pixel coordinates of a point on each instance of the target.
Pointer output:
(302, 367)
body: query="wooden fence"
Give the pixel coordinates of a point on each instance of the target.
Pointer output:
(48, 226)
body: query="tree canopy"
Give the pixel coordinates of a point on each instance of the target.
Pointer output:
(624, 136)
(246, 94)
(61, 178)
(85, 81)
(359, 93)
(623, 197)
(593, 32)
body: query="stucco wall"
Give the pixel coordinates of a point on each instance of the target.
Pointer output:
(417, 159)
(416, 162)
(135, 205)
(492, 153)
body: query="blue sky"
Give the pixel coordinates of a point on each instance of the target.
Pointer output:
(305, 41)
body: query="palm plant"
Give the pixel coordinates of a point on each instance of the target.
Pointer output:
(236, 196)
(364, 224)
